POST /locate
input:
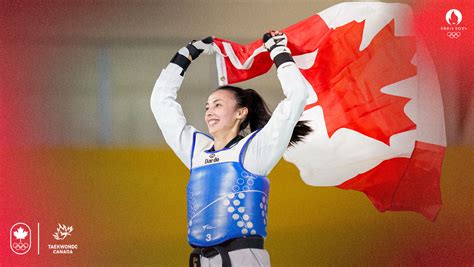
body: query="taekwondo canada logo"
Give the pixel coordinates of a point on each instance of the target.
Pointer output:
(454, 30)
(62, 232)
(20, 238)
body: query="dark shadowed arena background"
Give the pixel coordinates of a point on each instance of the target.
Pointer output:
(79, 145)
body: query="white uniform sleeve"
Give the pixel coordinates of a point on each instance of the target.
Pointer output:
(169, 114)
(267, 147)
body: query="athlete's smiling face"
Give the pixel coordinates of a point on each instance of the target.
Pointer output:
(222, 115)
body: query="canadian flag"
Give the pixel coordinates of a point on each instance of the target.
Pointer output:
(375, 105)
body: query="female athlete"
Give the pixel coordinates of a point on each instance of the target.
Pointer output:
(227, 194)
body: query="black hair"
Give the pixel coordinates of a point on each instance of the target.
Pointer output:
(259, 113)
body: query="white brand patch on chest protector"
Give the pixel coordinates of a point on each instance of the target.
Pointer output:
(202, 155)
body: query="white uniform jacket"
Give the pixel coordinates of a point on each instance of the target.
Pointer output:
(263, 151)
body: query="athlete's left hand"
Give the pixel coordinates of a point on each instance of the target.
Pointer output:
(276, 43)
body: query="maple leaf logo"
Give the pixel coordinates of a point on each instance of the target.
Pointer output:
(348, 82)
(20, 233)
(62, 232)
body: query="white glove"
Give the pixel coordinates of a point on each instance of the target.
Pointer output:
(195, 48)
(205, 45)
(190, 52)
(275, 42)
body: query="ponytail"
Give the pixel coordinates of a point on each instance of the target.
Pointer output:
(259, 113)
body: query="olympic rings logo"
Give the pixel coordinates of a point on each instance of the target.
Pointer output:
(453, 35)
(21, 246)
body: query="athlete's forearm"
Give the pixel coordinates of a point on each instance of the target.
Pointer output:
(266, 149)
(169, 114)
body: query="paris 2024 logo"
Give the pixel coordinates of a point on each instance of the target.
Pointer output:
(453, 18)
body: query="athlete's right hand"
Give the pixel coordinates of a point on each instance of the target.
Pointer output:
(190, 52)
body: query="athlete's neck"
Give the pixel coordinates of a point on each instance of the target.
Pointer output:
(221, 141)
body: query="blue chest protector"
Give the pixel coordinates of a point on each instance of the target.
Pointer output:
(224, 200)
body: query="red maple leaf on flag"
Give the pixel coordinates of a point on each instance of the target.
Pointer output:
(352, 89)
(348, 82)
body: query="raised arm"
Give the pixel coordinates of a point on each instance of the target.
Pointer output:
(268, 146)
(168, 113)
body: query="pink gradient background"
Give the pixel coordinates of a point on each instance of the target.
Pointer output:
(40, 185)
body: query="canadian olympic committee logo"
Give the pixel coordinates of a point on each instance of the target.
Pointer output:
(20, 238)
(453, 19)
